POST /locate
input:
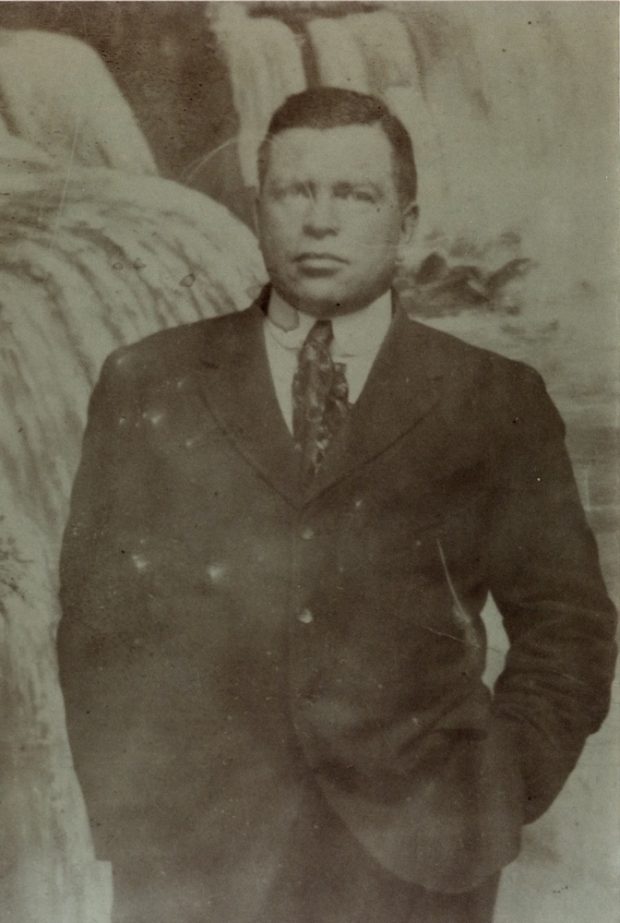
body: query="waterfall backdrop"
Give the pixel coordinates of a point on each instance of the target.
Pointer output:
(128, 135)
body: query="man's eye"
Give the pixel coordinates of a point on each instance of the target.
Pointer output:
(355, 195)
(292, 191)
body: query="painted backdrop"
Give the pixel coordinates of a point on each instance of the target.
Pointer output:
(127, 142)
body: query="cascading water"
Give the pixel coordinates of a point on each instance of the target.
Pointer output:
(266, 66)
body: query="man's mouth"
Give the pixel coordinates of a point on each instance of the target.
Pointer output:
(318, 258)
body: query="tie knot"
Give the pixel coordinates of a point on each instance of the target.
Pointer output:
(321, 333)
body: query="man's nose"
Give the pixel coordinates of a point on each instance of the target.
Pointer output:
(321, 215)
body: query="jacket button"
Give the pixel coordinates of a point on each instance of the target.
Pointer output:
(305, 617)
(307, 533)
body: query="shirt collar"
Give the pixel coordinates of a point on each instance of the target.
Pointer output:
(354, 334)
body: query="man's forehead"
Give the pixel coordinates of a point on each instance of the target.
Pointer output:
(346, 151)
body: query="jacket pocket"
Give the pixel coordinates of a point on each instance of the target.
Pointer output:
(458, 823)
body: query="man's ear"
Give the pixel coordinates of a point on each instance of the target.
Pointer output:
(409, 221)
(255, 212)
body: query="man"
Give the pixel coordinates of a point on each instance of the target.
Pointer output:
(282, 533)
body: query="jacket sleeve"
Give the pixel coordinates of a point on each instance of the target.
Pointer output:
(90, 631)
(96, 488)
(546, 580)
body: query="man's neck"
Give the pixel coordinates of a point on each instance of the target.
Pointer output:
(285, 316)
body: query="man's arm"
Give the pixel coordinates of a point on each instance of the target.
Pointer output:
(91, 633)
(546, 581)
(96, 484)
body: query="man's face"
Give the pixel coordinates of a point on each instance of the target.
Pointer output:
(330, 222)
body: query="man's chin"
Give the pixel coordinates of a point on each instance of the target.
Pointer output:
(321, 302)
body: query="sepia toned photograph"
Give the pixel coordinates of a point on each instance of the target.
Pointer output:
(309, 462)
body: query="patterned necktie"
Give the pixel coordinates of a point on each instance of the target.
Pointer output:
(320, 393)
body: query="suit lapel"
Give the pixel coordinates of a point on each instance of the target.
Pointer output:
(238, 387)
(402, 388)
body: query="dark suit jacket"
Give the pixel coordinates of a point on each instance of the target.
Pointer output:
(227, 637)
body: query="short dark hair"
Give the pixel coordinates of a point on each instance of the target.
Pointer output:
(333, 107)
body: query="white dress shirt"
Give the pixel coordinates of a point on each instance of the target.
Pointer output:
(357, 339)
